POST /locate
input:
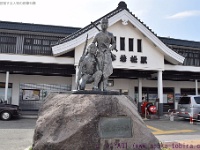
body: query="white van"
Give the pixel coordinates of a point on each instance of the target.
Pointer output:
(189, 106)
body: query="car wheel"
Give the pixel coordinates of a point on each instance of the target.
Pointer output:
(5, 115)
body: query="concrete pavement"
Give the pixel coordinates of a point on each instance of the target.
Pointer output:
(16, 134)
(178, 134)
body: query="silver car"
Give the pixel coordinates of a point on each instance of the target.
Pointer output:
(189, 106)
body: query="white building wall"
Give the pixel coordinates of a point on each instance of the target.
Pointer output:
(16, 79)
(148, 49)
(179, 84)
(36, 58)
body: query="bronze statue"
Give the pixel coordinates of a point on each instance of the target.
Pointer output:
(89, 69)
(105, 43)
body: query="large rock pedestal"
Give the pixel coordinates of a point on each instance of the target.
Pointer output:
(72, 122)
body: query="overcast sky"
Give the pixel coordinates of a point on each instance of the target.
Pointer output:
(178, 19)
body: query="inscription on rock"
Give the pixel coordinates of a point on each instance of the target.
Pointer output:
(115, 127)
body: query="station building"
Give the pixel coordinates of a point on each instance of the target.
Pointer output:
(38, 59)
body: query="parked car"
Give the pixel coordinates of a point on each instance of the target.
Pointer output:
(189, 106)
(8, 111)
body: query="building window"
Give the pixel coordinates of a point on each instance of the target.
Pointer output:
(7, 39)
(46, 42)
(122, 43)
(196, 59)
(37, 42)
(139, 45)
(8, 44)
(131, 40)
(38, 45)
(28, 41)
(53, 42)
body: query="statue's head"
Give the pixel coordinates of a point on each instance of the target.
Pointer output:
(104, 20)
(104, 23)
(92, 48)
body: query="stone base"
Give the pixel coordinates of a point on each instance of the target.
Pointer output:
(91, 122)
(95, 92)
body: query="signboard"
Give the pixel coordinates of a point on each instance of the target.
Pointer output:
(115, 127)
(31, 94)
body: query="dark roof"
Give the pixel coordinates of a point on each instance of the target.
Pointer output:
(37, 28)
(178, 42)
(121, 6)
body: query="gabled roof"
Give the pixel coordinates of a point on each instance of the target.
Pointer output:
(121, 6)
(120, 13)
(37, 28)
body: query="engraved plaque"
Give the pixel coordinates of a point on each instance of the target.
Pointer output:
(115, 127)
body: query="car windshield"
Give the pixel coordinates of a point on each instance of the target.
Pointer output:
(184, 100)
(197, 99)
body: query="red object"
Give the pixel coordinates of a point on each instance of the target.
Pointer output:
(143, 106)
(151, 109)
(191, 120)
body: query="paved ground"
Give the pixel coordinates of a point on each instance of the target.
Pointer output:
(178, 134)
(16, 134)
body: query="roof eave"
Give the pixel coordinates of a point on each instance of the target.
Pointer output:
(169, 54)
